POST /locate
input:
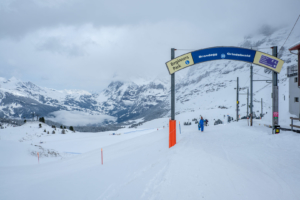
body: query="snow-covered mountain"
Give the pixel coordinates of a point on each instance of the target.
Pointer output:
(123, 100)
(208, 85)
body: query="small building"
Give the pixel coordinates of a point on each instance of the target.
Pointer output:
(294, 84)
(294, 91)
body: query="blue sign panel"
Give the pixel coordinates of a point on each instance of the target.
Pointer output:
(268, 61)
(218, 53)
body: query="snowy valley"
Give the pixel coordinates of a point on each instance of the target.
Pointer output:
(227, 161)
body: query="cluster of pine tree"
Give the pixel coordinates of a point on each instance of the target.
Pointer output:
(71, 128)
(42, 119)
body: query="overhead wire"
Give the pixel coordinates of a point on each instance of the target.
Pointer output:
(245, 82)
(186, 49)
(255, 48)
(261, 75)
(261, 88)
(289, 34)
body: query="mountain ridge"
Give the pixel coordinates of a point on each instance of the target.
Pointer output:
(129, 100)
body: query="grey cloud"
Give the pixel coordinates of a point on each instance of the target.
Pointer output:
(57, 45)
(23, 16)
(267, 30)
(93, 41)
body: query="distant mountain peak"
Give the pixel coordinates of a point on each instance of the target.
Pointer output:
(202, 86)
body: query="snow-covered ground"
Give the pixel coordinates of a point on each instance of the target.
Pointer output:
(229, 161)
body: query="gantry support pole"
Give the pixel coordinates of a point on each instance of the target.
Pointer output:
(274, 94)
(251, 95)
(237, 99)
(172, 122)
(172, 88)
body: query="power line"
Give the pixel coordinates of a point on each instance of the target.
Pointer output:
(289, 34)
(262, 88)
(242, 47)
(260, 75)
(262, 47)
(245, 82)
(186, 49)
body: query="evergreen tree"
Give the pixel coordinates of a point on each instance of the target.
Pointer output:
(42, 119)
(71, 128)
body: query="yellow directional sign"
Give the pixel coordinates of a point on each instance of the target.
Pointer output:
(268, 61)
(180, 62)
(237, 102)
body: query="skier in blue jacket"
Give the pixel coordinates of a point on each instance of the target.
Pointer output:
(201, 123)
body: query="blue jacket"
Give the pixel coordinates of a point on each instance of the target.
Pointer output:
(201, 122)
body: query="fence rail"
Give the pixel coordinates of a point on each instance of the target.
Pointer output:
(291, 125)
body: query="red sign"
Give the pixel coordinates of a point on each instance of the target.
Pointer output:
(275, 114)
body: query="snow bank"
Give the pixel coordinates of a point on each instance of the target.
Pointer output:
(229, 161)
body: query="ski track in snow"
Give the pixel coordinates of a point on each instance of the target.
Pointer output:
(231, 161)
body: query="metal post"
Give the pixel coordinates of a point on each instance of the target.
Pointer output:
(251, 94)
(298, 68)
(237, 99)
(261, 108)
(274, 94)
(172, 88)
(247, 102)
(299, 75)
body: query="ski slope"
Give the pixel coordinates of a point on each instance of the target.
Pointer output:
(229, 161)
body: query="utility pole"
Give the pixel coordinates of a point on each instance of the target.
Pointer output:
(172, 122)
(237, 99)
(172, 88)
(274, 95)
(32, 116)
(251, 94)
(261, 110)
(247, 102)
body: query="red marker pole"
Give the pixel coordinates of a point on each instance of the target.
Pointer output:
(38, 157)
(101, 156)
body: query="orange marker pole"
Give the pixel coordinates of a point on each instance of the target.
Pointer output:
(172, 133)
(38, 157)
(101, 156)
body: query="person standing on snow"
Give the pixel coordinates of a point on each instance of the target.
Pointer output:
(201, 123)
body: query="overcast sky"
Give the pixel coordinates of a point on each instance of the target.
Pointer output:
(85, 44)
